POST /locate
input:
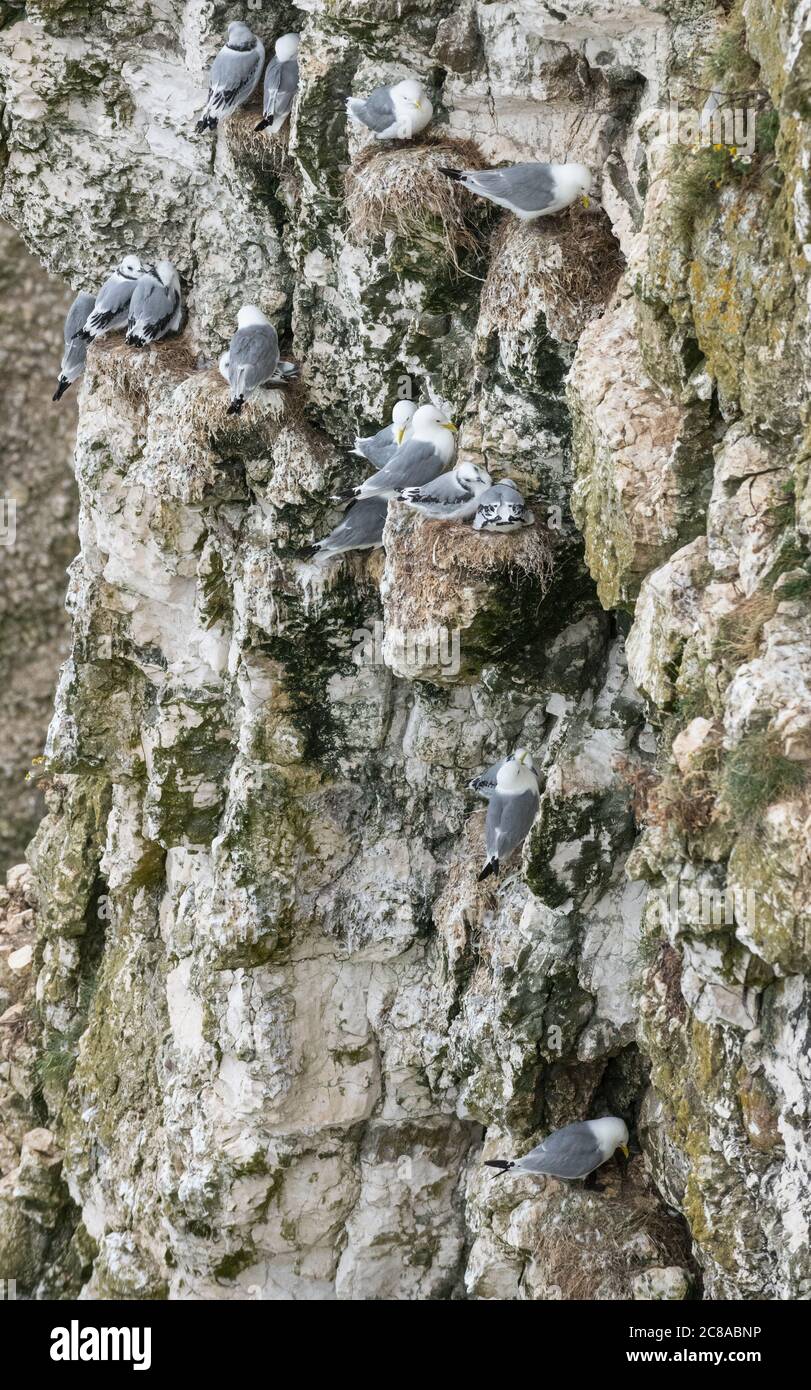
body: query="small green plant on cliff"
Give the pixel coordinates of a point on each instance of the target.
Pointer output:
(757, 773)
(729, 63)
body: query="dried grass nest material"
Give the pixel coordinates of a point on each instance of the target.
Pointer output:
(257, 147)
(568, 265)
(433, 561)
(397, 187)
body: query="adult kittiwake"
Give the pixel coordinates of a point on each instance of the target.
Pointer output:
(155, 307)
(571, 1152)
(502, 508)
(512, 807)
(360, 529)
(452, 496)
(429, 451)
(75, 354)
(252, 359)
(234, 75)
(393, 113)
(112, 306)
(378, 448)
(528, 190)
(281, 84)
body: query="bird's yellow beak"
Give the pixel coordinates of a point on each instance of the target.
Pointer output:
(586, 201)
(399, 434)
(449, 425)
(418, 105)
(624, 1150)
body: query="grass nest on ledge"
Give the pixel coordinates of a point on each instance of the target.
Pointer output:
(247, 145)
(396, 187)
(567, 264)
(430, 564)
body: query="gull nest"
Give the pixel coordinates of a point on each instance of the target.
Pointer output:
(396, 187)
(434, 565)
(566, 266)
(248, 145)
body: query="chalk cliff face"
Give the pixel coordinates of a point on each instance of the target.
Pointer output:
(272, 1024)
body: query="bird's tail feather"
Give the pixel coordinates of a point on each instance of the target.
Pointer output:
(455, 174)
(491, 867)
(502, 1164)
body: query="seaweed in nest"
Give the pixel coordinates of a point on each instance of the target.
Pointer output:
(397, 187)
(571, 261)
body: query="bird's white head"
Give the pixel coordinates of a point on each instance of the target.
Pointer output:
(611, 1133)
(508, 482)
(577, 181)
(517, 773)
(411, 105)
(250, 317)
(286, 47)
(166, 273)
(432, 427)
(473, 477)
(240, 36)
(401, 417)
(131, 266)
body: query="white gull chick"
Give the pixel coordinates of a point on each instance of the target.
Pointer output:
(450, 497)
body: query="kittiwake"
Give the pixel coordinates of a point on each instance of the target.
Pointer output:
(571, 1152)
(252, 360)
(429, 451)
(155, 308)
(452, 496)
(234, 75)
(75, 354)
(502, 508)
(281, 84)
(378, 448)
(112, 306)
(393, 113)
(512, 807)
(360, 529)
(528, 190)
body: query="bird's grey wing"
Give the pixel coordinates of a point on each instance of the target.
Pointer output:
(233, 75)
(485, 782)
(252, 357)
(378, 110)
(572, 1152)
(151, 308)
(515, 817)
(78, 314)
(415, 463)
(444, 491)
(111, 305)
(361, 527)
(378, 448)
(529, 187)
(281, 84)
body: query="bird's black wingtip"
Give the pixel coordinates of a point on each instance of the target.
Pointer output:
(61, 388)
(491, 867)
(84, 335)
(502, 1165)
(264, 123)
(235, 408)
(455, 174)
